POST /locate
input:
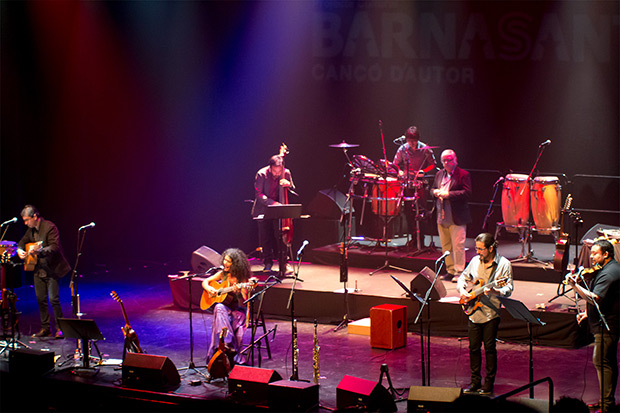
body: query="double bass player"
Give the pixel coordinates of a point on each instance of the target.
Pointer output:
(271, 184)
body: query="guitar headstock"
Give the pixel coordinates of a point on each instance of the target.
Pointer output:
(116, 297)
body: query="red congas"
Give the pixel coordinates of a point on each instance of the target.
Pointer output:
(386, 196)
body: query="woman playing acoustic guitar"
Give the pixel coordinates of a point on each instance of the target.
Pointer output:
(228, 310)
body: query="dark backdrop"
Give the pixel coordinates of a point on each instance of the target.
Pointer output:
(151, 118)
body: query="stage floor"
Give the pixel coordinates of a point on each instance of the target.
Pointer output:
(164, 329)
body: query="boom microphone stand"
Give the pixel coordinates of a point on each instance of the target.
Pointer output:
(386, 264)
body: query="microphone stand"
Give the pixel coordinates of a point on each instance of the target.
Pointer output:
(291, 305)
(191, 365)
(490, 210)
(75, 296)
(386, 264)
(427, 299)
(527, 236)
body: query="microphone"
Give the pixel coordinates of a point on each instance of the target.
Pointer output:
(92, 224)
(545, 143)
(380, 123)
(501, 178)
(400, 140)
(301, 249)
(273, 277)
(219, 267)
(10, 221)
(445, 254)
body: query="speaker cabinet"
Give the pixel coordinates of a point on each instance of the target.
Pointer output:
(248, 385)
(204, 258)
(388, 326)
(146, 371)
(366, 395)
(431, 399)
(293, 396)
(423, 281)
(28, 362)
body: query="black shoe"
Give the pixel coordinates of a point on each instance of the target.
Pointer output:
(487, 389)
(44, 332)
(473, 388)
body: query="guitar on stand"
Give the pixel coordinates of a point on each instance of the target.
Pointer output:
(220, 364)
(560, 259)
(132, 343)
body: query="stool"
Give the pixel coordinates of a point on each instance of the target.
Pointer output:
(388, 326)
(254, 325)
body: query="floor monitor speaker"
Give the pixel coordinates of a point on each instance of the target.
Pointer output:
(423, 281)
(146, 371)
(293, 396)
(204, 258)
(367, 395)
(431, 399)
(30, 362)
(249, 385)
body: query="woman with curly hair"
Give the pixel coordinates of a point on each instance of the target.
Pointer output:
(231, 313)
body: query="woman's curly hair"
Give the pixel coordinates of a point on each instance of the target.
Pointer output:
(240, 267)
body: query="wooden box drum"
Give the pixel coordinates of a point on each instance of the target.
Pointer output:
(386, 196)
(545, 198)
(515, 201)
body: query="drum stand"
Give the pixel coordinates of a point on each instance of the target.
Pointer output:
(418, 217)
(525, 237)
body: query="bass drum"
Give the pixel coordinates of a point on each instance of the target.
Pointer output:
(515, 201)
(545, 197)
(386, 196)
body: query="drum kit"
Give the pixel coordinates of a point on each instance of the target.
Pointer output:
(520, 195)
(381, 185)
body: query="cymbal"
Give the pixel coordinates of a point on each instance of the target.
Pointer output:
(343, 144)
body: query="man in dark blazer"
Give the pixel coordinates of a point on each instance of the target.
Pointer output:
(452, 190)
(51, 265)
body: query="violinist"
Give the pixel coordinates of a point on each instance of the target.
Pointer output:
(602, 287)
(270, 184)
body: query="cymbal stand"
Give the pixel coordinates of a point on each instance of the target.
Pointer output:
(386, 264)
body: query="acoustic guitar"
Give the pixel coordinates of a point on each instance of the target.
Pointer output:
(221, 296)
(31, 258)
(472, 303)
(219, 365)
(560, 259)
(132, 344)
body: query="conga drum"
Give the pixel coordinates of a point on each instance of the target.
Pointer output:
(515, 201)
(545, 197)
(386, 197)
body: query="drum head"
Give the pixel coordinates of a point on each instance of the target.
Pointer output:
(547, 179)
(516, 177)
(364, 164)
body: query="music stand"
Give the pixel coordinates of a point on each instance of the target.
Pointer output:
(519, 311)
(83, 330)
(414, 297)
(280, 212)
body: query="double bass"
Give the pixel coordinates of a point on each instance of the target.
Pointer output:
(287, 223)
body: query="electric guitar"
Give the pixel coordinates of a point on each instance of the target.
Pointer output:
(132, 344)
(472, 303)
(223, 288)
(31, 259)
(219, 365)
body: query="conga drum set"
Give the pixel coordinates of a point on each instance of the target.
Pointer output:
(521, 196)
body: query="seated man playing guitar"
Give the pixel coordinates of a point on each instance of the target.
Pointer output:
(493, 273)
(225, 292)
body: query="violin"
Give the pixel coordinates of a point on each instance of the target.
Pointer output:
(586, 273)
